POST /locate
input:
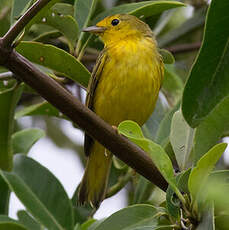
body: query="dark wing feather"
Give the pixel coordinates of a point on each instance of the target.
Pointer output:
(88, 141)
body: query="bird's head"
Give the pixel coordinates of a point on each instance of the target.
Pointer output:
(120, 27)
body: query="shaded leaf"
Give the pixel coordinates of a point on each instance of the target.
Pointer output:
(24, 139)
(166, 56)
(151, 126)
(8, 101)
(55, 59)
(27, 220)
(205, 165)
(43, 108)
(172, 84)
(40, 198)
(135, 216)
(210, 131)
(162, 136)
(145, 9)
(83, 13)
(208, 83)
(66, 24)
(188, 26)
(207, 220)
(7, 223)
(5, 195)
(18, 7)
(181, 138)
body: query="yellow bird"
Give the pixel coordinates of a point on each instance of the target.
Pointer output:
(124, 86)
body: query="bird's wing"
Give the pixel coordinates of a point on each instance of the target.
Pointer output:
(101, 60)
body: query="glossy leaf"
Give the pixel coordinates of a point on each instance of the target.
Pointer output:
(7, 223)
(66, 24)
(181, 138)
(196, 21)
(40, 192)
(135, 216)
(132, 131)
(205, 165)
(43, 108)
(27, 220)
(208, 83)
(145, 9)
(55, 59)
(210, 131)
(8, 101)
(64, 8)
(24, 139)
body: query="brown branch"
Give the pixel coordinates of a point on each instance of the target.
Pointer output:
(22, 22)
(182, 48)
(125, 150)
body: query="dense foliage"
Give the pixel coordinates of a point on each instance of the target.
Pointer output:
(182, 136)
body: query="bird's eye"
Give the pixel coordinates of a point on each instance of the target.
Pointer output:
(115, 22)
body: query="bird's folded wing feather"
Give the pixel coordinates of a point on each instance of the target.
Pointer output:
(98, 68)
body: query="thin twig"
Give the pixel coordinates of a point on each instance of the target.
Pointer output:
(182, 48)
(22, 22)
(122, 181)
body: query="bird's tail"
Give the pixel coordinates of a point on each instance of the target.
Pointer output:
(93, 186)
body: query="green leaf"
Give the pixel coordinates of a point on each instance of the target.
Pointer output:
(207, 220)
(181, 138)
(196, 21)
(208, 82)
(55, 59)
(18, 7)
(24, 139)
(205, 165)
(172, 84)
(47, 36)
(83, 13)
(5, 195)
(132, 131)
(27, 220)
(210, 131)
(41, 193)
(151, 126)
(172, 202)
(7, 223)
(43, 108)
(87, 224)
(142, 191)
(166, 56)
(8, 101)
(144, 9)
(130, 218)
(162, 135)
(64, 8)
(66, 24)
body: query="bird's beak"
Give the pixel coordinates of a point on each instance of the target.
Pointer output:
(94, 29)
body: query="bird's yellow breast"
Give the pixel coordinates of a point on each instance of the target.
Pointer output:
(129, 83)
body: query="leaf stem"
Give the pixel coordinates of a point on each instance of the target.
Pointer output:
(15, 30)
(122, 181)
